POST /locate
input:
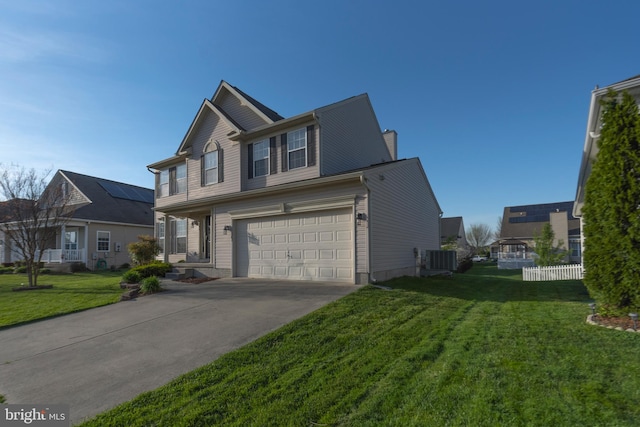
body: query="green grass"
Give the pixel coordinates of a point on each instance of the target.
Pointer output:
(481, 349)
(70, 293)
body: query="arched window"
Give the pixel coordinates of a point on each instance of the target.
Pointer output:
(211, 163)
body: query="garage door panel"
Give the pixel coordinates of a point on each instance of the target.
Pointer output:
(315, 246)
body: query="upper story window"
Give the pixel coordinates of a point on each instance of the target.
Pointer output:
(211, 163)
(261, 158)
(172, 181)
(180, 180)
(163, 183)
(297, 148)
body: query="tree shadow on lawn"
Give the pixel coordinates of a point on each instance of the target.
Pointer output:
(487, 283)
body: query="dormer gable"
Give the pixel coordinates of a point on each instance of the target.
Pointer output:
(207, 107)
(247, 112)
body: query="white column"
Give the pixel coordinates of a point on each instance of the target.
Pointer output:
(86, 244)
(63, 232)
(165, 250)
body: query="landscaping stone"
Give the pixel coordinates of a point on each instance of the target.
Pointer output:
(130, 294)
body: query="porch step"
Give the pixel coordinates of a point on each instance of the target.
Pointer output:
(179, 273)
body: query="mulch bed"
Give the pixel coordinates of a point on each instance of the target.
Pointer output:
(197, 280)
(624, 322)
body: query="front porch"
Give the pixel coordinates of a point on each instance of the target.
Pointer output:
(59, 256)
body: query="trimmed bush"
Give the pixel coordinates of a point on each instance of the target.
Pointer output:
(156, 268)
(44, 271)
(150, 285)
(132, 276)
(20, 270)
(6, 270)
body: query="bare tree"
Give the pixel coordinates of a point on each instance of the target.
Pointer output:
(497, 234)
(32, 211)
(478, 237)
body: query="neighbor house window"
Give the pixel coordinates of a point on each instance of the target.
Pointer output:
(71, 240)
(261, 158)
(104, 241)
(574, 248)
(178, 236)
(297, 148)
(160, 235)
(210, 167)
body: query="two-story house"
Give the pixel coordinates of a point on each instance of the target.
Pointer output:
(317, 196)
(594, 123)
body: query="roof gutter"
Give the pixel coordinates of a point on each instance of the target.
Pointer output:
(282, 188)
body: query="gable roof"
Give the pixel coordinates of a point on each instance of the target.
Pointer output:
(450, 227)
(259, 108)
(207, 107)
(594, 122)
(111, 201)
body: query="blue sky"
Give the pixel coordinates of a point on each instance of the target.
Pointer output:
(492, 96)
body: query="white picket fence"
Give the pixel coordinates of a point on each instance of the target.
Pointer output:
(555, 272)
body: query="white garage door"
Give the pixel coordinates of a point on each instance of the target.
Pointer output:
(310, 246)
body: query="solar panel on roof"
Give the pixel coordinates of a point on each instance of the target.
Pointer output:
(126, 192)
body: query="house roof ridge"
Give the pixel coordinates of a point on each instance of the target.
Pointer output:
(272, 114)
(66, 172)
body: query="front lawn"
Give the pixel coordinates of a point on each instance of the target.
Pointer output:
(70, 293)
(481, 349)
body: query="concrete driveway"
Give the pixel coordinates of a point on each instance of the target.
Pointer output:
(99, 358)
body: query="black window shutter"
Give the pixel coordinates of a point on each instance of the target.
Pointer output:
(311, 146)
(273, 156)
(172, 181)
(284, 152)
(250, 157)
(220, 166)
(202, 171)
(157, 177)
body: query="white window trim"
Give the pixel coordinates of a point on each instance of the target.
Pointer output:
(267, 158)
(161, 234)
(98, 241)
(181, 181)
(303, 148)
(164, 184)
(213, 154)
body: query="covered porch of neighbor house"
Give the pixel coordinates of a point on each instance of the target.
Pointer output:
(512, 253)
(70, 245)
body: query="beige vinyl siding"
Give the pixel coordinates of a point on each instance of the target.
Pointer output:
(213, 128)
(279, 177)
(224, 243)
(404, 215)
(241, 114)
(123, 234)
(350, 136)
(362, 235)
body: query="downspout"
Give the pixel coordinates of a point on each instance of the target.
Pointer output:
(363, 181)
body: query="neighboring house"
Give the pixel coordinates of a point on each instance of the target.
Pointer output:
(452, 234)
(594, 123)
(107, 216)
(521, 224)
(317, 196)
